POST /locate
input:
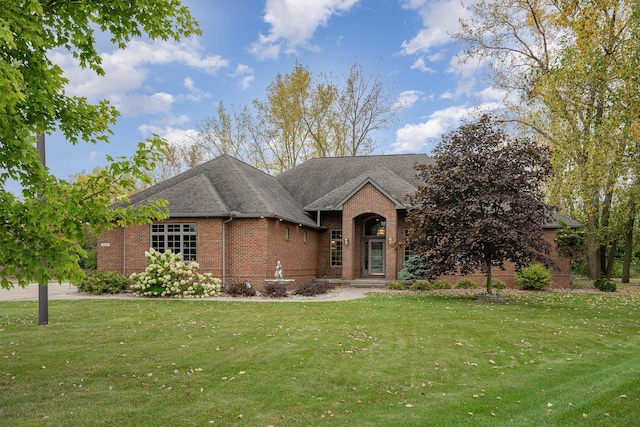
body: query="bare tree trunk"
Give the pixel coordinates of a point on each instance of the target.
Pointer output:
(608, 272)
(593, 253)
(628, 242)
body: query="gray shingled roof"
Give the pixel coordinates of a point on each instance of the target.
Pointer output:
(382, 178)
(560, 217)
(225, 186)
(316, 178)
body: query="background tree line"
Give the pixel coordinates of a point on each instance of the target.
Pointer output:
(569, 69)
(300, 118)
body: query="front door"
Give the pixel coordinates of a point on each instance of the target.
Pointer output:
(374, 257)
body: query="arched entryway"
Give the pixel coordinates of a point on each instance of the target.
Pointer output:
(374, 231)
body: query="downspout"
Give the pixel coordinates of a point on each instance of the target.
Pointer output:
(318, 218)
(224, 249)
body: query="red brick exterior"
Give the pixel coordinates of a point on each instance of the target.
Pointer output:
(254, 245)
(561, 272)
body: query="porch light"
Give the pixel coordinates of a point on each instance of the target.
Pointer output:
(346, 241)
(390, 240)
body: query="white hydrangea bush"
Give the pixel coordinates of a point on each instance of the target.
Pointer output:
(168, 276)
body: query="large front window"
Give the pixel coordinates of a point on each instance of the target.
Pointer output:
(336, 248)
(175, 237)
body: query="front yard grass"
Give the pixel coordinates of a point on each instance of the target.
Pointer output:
(543, 359)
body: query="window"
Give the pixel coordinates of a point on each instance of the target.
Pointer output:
(286, 233)
(175, 237)
(375, 226)
(336, 248)
(407, 248)
(304, 234)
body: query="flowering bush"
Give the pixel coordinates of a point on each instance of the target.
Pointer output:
(167, 275)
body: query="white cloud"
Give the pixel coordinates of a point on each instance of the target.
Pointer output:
(245, 76)
(439, 19)
(126, 70)
(420, 65)
(407, 99)
(171, 134)
(412, 138)
(491, 94)
(293, 23)
(447, 94)
(195, 94)
(134, 105)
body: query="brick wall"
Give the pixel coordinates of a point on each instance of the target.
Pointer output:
(296, 247)
(114, 254)
(368, 200)
(332, 221)
(561, 272)
(253, 245)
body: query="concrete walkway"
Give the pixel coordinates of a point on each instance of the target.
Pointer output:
(68, 291)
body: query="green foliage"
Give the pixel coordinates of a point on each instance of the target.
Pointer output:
(166, 275)
(424, 285)
(275, 290)
(466, 284)
(43, 227)
(414, 268)
(395, 286)
(239, 288)
(440, 284)
(420, 285)
(104, 282)
(571, 243)
(535, 277)
(314, 287)
(605, 285)
(496, 284)
(90, 260)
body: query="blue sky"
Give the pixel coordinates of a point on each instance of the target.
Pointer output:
(167, 88)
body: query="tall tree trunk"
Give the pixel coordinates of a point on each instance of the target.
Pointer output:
(628, 242)
(608, 272)
(593, 253)
(607, 261)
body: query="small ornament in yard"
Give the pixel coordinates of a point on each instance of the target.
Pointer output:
(278, 272)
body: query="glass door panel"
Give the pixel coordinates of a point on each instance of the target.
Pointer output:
(376, 257)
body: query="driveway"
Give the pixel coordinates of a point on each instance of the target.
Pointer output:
(30, 293)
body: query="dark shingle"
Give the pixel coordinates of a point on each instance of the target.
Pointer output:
(222, 186)
(317, 177)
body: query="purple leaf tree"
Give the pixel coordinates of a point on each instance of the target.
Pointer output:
(481, 203)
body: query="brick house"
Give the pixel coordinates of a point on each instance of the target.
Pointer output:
(338, 218)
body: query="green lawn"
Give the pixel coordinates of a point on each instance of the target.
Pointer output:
(390, 359)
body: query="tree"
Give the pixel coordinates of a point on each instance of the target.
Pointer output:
(364, 106)
(42, 227)
(481, 203)
(301, 118)
(573, 66)
(178, 158)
